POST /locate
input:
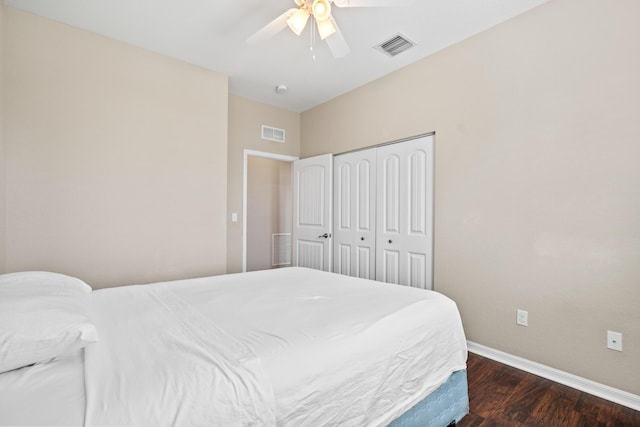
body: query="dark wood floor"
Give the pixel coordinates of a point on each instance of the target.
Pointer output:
(500, 395)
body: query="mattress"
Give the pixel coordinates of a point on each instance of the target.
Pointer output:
(315, 348)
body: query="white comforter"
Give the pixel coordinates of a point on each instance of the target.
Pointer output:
(291, 346)
(160, 362)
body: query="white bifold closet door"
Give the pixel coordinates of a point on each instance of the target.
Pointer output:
(404, 235)
(354, 214)
(383, 213)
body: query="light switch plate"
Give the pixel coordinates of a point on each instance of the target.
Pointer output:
(522, 318)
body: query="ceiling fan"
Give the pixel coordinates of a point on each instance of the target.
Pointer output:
(296, 19)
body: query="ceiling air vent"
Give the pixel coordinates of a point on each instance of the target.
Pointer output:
(272, 134)
(395, 45)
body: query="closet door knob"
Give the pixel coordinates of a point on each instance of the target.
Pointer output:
(390, 241)
(362, 238)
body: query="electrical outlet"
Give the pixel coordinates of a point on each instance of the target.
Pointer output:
(522, 318)
(614, 340)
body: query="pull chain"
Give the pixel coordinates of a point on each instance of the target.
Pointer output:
(313, 39)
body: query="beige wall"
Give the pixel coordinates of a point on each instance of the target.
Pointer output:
(2, 155)
(537, 198)
(115, 156)
(269, 208)
(245, 120)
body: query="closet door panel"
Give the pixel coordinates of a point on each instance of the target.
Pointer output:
(417, 193)
(390, 267)
(344, 193)
(419, 228)
(365, 193)
(417, 270)
(406, 211)
(354, 210)
(343, 230)
(363, 266)
(390, 192)
(343, 243)
(391, 196)
(342, 262)
(365, 215)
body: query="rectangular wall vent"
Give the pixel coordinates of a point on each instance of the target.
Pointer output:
(395, 45)
(280, 249)
(272, 134)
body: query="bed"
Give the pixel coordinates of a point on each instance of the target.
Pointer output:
(285, 347)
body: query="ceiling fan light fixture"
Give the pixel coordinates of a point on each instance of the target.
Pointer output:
(326, 28)
(298, 20)
(321, 9)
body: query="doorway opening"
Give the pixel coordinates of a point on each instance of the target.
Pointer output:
(267, 210)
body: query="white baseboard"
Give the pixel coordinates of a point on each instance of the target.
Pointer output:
(615, 395)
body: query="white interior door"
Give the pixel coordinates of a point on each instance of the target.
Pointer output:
(404, 239)
(312, 201)
(354, 243)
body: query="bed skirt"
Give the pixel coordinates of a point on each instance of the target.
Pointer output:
(445, 406)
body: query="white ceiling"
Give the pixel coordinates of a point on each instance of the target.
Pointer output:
(212, 34)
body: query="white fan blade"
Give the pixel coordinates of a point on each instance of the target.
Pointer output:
(272, 28)
(336, 42)
(372, 3)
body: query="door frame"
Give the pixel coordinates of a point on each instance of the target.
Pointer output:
(245, 184)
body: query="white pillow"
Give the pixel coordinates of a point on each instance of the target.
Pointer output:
(42, 315)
